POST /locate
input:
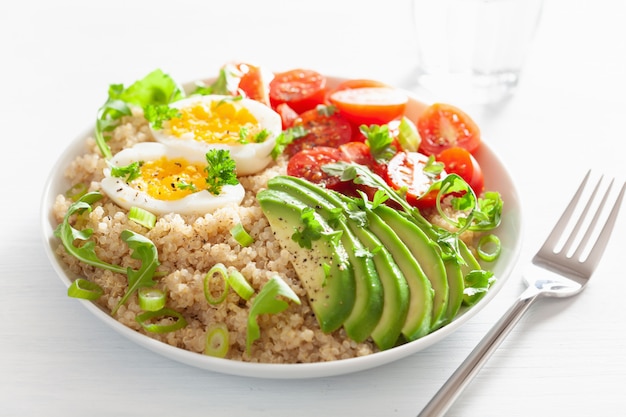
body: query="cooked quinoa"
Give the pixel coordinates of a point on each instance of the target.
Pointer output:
(188, 246)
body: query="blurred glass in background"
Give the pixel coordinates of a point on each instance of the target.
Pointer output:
(471, 52)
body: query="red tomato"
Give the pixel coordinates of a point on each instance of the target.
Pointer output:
(308, 164)
(370, 105)
(287, 115)
(357, 152)
(302, 89)
(322, 130)
(459, 161)
(406, 169)
(253, 84)
(443, 126)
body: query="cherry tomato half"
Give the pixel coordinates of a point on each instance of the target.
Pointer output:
(308, 164)
(302, 89)
(459, 161)
(323, 130)
(253, 83)
(443, 126)
(288, 116)
(370, 105)
(406, 169)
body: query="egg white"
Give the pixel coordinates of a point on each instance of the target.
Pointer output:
(249, 158)
(200, 202)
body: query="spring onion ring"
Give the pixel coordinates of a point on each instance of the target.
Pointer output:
(241, 235)
(219, 269)
(239, 283)
(76, 191)
(142, 217)
(144, 318)
(151, 299)
(217, 340)
(84, 289)
(491, 242)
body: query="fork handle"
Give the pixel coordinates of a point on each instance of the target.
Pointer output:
(453, 387)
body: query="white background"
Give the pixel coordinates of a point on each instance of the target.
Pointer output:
(57, 58)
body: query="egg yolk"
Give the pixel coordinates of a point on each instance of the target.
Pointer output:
(220, 123)
(170, 179)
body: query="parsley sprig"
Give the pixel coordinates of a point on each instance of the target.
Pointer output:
(220, 169)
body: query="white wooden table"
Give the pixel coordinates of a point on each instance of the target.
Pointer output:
(568, 357)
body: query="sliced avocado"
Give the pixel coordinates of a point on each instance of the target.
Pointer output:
(455, 290)
(395, 288)
(368, 306)
(426, 252)
(324, 269)
(419, 317)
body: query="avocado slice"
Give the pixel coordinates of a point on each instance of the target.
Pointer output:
(419, 317)
(368, 306)
(324, 269)
(426, 252)
(395, 288)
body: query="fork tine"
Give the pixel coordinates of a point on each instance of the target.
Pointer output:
(583, 216)
(598, 249)
(557, 231)
(594, 221)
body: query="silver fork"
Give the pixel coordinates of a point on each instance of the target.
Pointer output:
(552, 273)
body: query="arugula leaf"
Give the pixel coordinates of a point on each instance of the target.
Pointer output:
(225, 83)
(220, 169)
(268, 302)
(145, 251)
(154, 89)
(312, 229)
(68, 235)
(156, 114)
(286, 137)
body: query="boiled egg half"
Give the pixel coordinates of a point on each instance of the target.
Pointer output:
(247, 128)
(168, 180)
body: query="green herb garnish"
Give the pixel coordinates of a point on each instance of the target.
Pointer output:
(311, 231)
(286, 137)
(145, 251)
(156, 114)
(154, 89)
(128, 172)
(380, 142)
(220, 169)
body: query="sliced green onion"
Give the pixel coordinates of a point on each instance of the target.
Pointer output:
(489, 248)
(151, 299)
(239, 283)
(143, 217)
(217, 340)
(87, 290)
(144, 318)
(218, 269)
(76, 191)
(408, 135)
(241, 235)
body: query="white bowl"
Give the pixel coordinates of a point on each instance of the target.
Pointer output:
(496, 179)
